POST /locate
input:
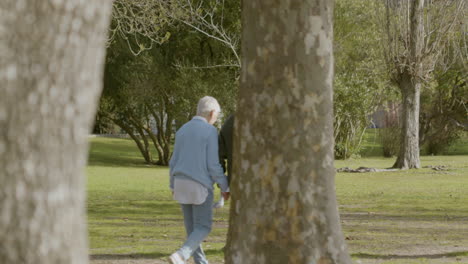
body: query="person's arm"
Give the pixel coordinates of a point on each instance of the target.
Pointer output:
(214, 168)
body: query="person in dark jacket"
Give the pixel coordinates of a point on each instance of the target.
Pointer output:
(225, 151)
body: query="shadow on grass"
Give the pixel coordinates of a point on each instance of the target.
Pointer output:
(154, 211)
(152, 255)
(157, 255)
(358, 216)
(107, 161)
(115, 153)
(427, 256)
(131, 209)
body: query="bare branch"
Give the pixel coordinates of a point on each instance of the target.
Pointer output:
(205, 21)
(134, 20)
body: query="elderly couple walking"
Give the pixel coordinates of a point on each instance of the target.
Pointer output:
(195, 167)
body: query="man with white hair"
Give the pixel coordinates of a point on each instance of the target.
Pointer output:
(194, 168)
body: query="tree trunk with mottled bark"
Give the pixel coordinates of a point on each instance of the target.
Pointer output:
(284, 208)
(410, 87)
(51, 64)
(408, 155)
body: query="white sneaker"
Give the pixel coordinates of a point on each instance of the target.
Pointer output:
(175, 258)
(219, 204)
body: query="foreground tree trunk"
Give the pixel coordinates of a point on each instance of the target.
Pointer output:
(284, 208)
(410, 87)
(51, 58)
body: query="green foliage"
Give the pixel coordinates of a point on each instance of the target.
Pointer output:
(161, 86)
(390, 140)
(219, 84)
(372, 143)
(103, 125)
(444, 111)
(137, 21)
(127, 91)
(359, 77)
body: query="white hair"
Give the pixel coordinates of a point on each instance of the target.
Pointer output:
(206, 105)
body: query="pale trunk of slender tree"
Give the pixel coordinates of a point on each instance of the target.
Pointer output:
(51, 64)
(410, 87)
(284, 208)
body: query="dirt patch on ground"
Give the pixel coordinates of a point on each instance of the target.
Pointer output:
(407, 240)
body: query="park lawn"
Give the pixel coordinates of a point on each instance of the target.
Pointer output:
(372, 145)
(421, 214)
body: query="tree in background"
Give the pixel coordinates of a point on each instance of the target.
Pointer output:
(51, 62)
(444, 110)
(140, 23)
(444, 102)
(218, 20)
(159, 85)
(119, 102)
(146, 95)
(416, 34)
(360, 79)
(103, 125)
(284, 208)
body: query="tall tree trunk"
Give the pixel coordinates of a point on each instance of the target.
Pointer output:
(410, 86)
(51, 65)
(284, 208)
(408, 155)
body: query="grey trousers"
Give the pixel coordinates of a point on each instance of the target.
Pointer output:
(198, 220)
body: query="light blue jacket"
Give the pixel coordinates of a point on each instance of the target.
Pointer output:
(196, 156)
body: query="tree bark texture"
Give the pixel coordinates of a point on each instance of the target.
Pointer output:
(410, 87)
(284, 208)
(408, 155)
(51, 64)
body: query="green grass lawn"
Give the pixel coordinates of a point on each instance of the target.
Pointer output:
(372, 146)
(414, 216)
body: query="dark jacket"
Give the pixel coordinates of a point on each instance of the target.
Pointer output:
(225, 145)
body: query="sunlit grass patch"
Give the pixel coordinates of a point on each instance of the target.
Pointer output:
(384, 214)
